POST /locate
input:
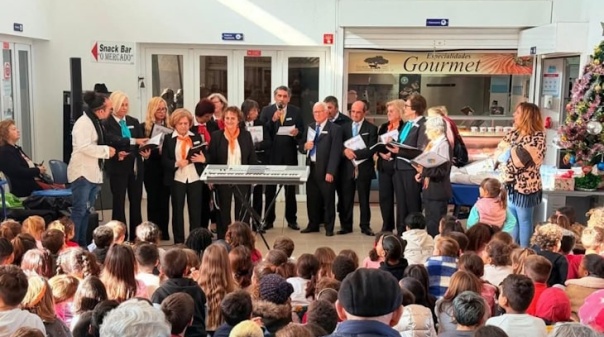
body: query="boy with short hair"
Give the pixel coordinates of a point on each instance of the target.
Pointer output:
(147, 258)
(285, 244)
(341, 267)
(13, 287)
(54, 241)
(236, 307)
(174, 267)
(469, 310)
(537, 268)
(178, 308)
(419, 243)
(517, 292)
(119, 233)
(102, 237)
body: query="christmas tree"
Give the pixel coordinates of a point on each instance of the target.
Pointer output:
(583, 135)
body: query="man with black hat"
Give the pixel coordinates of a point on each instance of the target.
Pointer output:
(369, 304)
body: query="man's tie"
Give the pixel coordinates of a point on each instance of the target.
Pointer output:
(405, 132)
(355, 129)
(125, 131)
(203, 130)
(314, 146)
(282, 118)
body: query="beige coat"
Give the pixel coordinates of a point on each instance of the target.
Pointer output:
(578, 290)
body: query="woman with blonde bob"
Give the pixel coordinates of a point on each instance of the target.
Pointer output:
(158, 194)
(38, 300)
(521, 153)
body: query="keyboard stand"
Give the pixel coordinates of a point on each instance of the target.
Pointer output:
(255, 217)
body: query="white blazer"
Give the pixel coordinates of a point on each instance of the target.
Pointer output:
(86, 152)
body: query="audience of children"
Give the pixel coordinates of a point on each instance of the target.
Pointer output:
(546, 242)
(497, 264)
(591, 279)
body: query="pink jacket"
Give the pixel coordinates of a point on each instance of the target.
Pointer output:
(491, 212)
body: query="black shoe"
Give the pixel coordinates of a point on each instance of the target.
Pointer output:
(329, 233)
(367, 231)
(268, 226)
(293, 226)
(310, 230)
(344, 231)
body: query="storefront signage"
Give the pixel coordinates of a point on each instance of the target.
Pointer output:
(437, 22)
(112, 52)
(438, 63)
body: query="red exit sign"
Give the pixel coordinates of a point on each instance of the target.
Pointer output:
(254, 52)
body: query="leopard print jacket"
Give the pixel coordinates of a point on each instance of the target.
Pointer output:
(526, 156)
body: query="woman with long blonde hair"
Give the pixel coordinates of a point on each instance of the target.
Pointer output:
(38, 300)
(118, 275)
(220, 104)
(521, 152)
(216, 280)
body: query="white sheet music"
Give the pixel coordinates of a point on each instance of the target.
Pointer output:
(256, 132)
(430, 159)
(310, 135)
(160, 130)
(356, 143)
(389, 136)
(285, 130)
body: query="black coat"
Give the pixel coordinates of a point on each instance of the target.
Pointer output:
(262, 148)
(416, 138)
(188, 286)
(284, 148)
(169, 157)
(211, 126)
(219, 147)
(368, 132)
(113, 137)
(381, 163)
(329, 150)
(153, 165)
(342, 119)
(21, 176)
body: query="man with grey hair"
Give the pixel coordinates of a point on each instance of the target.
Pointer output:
(135, 318)
(283, 151)
(469, 310)
(323, 148)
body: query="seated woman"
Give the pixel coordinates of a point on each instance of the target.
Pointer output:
(21, 171)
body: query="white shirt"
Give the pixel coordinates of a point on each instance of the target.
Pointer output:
(313, 158)
(188, 173)
(298, 297)
(11, 320)
(234, 158)
(335, 117)
(86, 152)
(496, 274)
(521, 325)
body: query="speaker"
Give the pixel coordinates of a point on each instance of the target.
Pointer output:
(75, 67)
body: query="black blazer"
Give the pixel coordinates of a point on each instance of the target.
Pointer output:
(369, 133)
(113, 137)
(342, 119)
(381, 163)
(169, 157)
(283, 148)
(329, 150)
(439, 187)
(219, 147)
(21, 176)
(262, 148)
(416, 138)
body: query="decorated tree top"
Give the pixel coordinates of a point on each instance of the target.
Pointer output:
(583, 134)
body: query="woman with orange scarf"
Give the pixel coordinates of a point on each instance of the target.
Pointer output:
(385, 163)
(232, 146)
(183, 165)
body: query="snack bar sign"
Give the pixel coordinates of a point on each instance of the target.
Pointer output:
(112, 52)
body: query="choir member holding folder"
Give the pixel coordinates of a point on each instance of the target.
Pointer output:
(232, 146)
(385, 161)
(433, 170)
(406, 188)
(183, 157)
(158, 194)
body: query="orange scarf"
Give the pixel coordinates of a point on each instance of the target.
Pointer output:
(232, 138)
(185, 144)
(393, 125)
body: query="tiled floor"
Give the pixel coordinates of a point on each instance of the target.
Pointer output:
(307, 243)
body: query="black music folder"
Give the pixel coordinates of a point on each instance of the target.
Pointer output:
(195, 150)
(406, 151)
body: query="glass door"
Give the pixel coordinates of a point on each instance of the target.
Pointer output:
(23, 99)
(257, 76)
(171, 76)
(215, 69)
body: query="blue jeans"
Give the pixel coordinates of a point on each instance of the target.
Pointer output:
(84, 196)
(524, 228)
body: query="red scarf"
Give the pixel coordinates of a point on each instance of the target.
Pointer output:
(394, 125)
(203, 130)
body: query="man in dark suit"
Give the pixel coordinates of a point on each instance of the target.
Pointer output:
(324, 152)
(126, 169)
(355, 176)
(283, 151)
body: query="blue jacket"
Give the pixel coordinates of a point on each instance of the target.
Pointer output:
(364, 329)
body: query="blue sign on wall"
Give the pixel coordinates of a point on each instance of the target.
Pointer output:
(18, 27)
(232, 36)
(437, 22)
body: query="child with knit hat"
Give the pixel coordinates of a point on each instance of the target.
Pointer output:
(274, 305)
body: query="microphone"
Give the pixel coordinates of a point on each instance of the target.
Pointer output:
(280, 106)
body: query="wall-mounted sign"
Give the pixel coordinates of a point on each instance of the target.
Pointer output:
(533, 50)
(6, 71)
(112, 52)
(327, 38)
(18, 27)
(437, 22)
(232, 36)
(438, 63)
(254, 52)
(551, 85)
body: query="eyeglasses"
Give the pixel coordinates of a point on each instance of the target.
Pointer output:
(161, 109)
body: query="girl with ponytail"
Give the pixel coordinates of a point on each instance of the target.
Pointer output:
(492, 208)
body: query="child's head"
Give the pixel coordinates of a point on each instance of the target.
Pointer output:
(147, 256)
(568, 212)
(547, 237)
(174, 263)
(193, 262)
(198, 240)
(241, 265)
(327, 283)
(119, 272)
(102, 237)
(77, 262)
(517, 292)
(478, 236)
(28, 332)
(472, 263)
(592, 265)
(593, 239)
(119, 230)
(560, 220)
(497, 253)
(285, 244)
(391, 248)
(537, 268)
(21, 244)
(236, 307)
(279, 260)
(341, 267)
(415, 221)
(38, 299)
(518, 256)
(445, 246)
(324, 314)
(307, 266)
(567, 244)
(6, 252)
(53, 240)
(461, 238)
(449, 223)
(13, 286)
(469, 309)
(462, 281)
(39, 261)
(492, 188)
(91, 292)
(69, 227)
(178, 308)
(351, 254)
(34, 225)
(503, 237)
(148, 232)
(416, 288)
(240, 234)
(10, 228)
(325, 255)
(373, 254)
(418, 272)
(596, 217)
(63, 287)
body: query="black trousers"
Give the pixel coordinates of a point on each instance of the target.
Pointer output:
(434, 211)
(225, 197)
(291, 206)
(408, 196)
(192, 191)
(131, 184)
(207, 215)
(256, 197)
(362, 188)
(320, 203)
(158, 202)
(386, 186)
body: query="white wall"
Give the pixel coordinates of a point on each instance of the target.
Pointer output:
(32, 14)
